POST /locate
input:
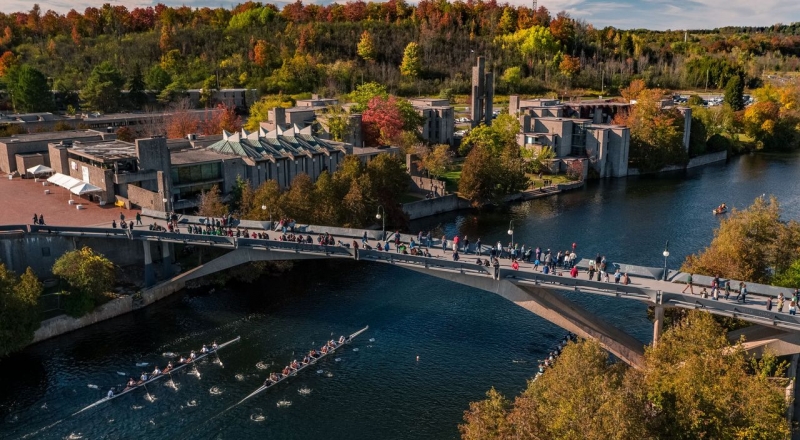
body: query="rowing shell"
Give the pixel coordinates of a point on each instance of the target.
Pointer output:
(294, 373)
(154, 378)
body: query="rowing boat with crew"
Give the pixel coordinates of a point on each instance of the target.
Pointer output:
(295, 367)
(131, 386)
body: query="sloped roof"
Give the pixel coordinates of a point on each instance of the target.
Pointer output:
(272, 145)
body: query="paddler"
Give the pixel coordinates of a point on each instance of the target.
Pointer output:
(313, 354)
(324, 349)
(294, 365)
(131, 383)
(144, 377)
(286, 371)
(192, 355)
(306, 360)
(169, 367)
(182, 360)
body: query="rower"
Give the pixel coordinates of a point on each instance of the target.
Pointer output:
(324, 349)
(131, 383)
(156, 371)
(182, 360)
(294, 365)
(313, 354)
(332, 343)
(286, 371)
(110, 393)
(169, 366)
(214, 345)
(341, 339)
(273, 377)
(144, 377)
(204, 349)
(306, 360)
(192, 355)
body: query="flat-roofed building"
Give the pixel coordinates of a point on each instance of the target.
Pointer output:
(438, 119)
(34, 143)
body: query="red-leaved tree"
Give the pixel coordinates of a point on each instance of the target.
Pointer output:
(382, 121)
(222, 118)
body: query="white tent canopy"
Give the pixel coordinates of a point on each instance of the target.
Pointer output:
(83, 188)
(39, 169)
(64, 181)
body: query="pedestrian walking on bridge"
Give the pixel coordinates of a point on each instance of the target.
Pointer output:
(689, 285)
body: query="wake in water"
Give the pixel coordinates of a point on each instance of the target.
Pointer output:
(304, 391)
(92, 386)
(215, 391)
(74, 436)
(142, 364)
(171, 384)
(191, 403)
(258, 415)
(371, 339)
(239, 377)
(122, 373)
(284, 403)
(136, 407)
(195, 372)
(169, 354)
(263, 366)
(150, 398)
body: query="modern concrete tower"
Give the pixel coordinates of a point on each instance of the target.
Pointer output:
(482, 94)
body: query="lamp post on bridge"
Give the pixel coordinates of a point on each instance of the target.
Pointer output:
(665, 254)
(511, 233)
(381, 215)
(264, 208)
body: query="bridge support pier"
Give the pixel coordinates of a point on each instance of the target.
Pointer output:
(658, 323)
(149, 272)
(166, 259)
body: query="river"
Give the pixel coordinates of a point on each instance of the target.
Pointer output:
(466, 340)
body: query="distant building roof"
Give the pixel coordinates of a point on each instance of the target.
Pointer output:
(52, 136)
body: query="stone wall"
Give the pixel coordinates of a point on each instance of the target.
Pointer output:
(426, 185)
(144, 198)
(63, 324)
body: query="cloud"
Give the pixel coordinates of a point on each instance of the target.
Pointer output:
(626, 14)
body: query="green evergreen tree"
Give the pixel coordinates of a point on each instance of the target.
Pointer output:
(102, 90)
(157, 79)
(734, 93)
(136, 85)
(29, 90)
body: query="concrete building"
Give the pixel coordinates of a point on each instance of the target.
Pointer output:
(32, 144)
(237, 98)
(438, 119)
(549, 123)
(313, 113)
(482, 94)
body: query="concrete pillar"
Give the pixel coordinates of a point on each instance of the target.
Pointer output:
(149, 272)
(166, 259)
(658, 323)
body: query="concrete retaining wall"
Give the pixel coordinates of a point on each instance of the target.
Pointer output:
(720, 156)
(438, 205)
(425, 185)
(63, 324)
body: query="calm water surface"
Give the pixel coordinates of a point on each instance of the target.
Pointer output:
(467, 340)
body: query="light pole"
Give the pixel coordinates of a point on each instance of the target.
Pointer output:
(166, 205)
(511, 233)
(381, 215)
(264, 208)
(665, 254)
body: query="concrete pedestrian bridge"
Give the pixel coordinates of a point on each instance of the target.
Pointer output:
(527, 287)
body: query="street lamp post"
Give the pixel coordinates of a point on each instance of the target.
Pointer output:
(511, 233)
(381, 215)
(665, 254)
(166, 204)
(264, 208)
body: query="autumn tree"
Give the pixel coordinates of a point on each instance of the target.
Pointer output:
(364, 93)
(90, 276)
(259, 110)
(7, 60)
(366, 47)
(19, 311)
(181, 120)
(337, 122)
(261, 53)
(210, 203)
(221, 118)
(436, 160)
(412, 63)
(749, 245)
(382, 121)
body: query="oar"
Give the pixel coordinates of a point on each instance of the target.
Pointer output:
(145, 388)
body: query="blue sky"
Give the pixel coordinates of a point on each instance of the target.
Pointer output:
(650, 14)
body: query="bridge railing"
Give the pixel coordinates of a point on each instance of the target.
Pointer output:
(13, 228)
(427, 262)
(578, 283)
(293, 246)
(186, 238)
(79, 231)
(735, 310)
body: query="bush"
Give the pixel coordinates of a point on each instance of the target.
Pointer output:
(19, 309)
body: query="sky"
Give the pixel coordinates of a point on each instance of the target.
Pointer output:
(624, 14)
